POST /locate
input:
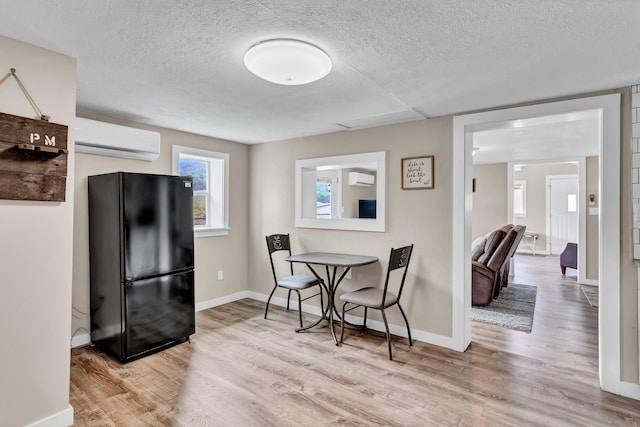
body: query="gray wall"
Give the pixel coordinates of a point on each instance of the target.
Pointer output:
(36, 253)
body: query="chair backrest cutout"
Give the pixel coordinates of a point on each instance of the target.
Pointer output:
(276, 243)
(398, 258)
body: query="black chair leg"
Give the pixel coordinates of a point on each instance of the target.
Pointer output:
(386, 327)
(407, 323)
(342, 323)
(321, 300)
(266, 309)
(289, 298)
(364, 323)
(299, 307)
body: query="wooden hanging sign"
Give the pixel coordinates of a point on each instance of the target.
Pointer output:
(33, 159)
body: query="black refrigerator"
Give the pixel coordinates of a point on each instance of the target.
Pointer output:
(141, 263)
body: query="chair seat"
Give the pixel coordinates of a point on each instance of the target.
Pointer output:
(369, 297)
(298, 281)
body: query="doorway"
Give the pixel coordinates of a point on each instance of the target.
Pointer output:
(608, 110)
(562, 212)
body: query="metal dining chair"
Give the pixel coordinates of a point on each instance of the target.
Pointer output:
(381, 299)
(293, 282)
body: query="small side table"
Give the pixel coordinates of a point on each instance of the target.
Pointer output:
(531, 239)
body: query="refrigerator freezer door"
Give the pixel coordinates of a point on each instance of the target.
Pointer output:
(158, 225)
(159, 312)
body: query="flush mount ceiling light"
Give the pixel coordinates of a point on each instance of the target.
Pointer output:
(287, 61)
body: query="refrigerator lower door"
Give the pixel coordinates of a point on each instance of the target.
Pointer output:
(159, 312)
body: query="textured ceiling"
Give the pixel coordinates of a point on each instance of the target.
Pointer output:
(178, 64)
(560, 136)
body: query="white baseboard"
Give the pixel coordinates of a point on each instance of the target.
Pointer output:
(222, 300)
(376, 325)
(589, 282)
(61, 419)
(80, 340)
(630, 390)
(400, 330)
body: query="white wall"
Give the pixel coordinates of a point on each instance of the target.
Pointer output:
(36, 255)
(422, 217)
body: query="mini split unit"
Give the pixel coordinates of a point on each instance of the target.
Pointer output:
(106, 139)
(361, 179)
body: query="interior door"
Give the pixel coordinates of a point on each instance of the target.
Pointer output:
(563, 212)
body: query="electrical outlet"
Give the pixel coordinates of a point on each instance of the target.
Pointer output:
(220, 275)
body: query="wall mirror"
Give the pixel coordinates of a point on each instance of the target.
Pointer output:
(341, 192)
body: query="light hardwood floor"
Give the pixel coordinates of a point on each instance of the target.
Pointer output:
(242, 370)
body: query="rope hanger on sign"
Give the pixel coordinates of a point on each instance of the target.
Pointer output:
(26, 93)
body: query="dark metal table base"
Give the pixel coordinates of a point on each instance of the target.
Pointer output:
(330, 287)
(334, 260)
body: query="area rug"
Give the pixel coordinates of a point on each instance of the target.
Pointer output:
(591, 293)
(512, 309)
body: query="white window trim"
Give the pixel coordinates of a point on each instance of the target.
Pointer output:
(206, 231)
(522, 182)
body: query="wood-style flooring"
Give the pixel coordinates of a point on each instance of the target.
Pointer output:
(242, 370)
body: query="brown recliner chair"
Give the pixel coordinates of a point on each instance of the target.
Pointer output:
(504, 272)
(485, 272)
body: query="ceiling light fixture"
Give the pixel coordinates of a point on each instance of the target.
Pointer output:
(287, 61)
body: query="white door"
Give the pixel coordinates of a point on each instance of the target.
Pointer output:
(562, 209)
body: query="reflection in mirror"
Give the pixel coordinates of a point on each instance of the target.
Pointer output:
(341, 192)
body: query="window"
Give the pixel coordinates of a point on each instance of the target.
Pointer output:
(328, 194)
(210, 173)
(520, 198)
(323, 198)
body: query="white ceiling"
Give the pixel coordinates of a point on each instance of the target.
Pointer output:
(179, 64)
(555, 137)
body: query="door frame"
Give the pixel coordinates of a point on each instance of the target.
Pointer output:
(548, 180)
(609, 342)
(582, 219)
(582, 209)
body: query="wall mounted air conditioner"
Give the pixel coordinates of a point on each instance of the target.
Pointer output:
(361, 179)
(106, 139)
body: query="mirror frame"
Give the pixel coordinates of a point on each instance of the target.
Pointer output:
(354, 224)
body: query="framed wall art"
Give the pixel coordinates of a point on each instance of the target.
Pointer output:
(417, 173)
